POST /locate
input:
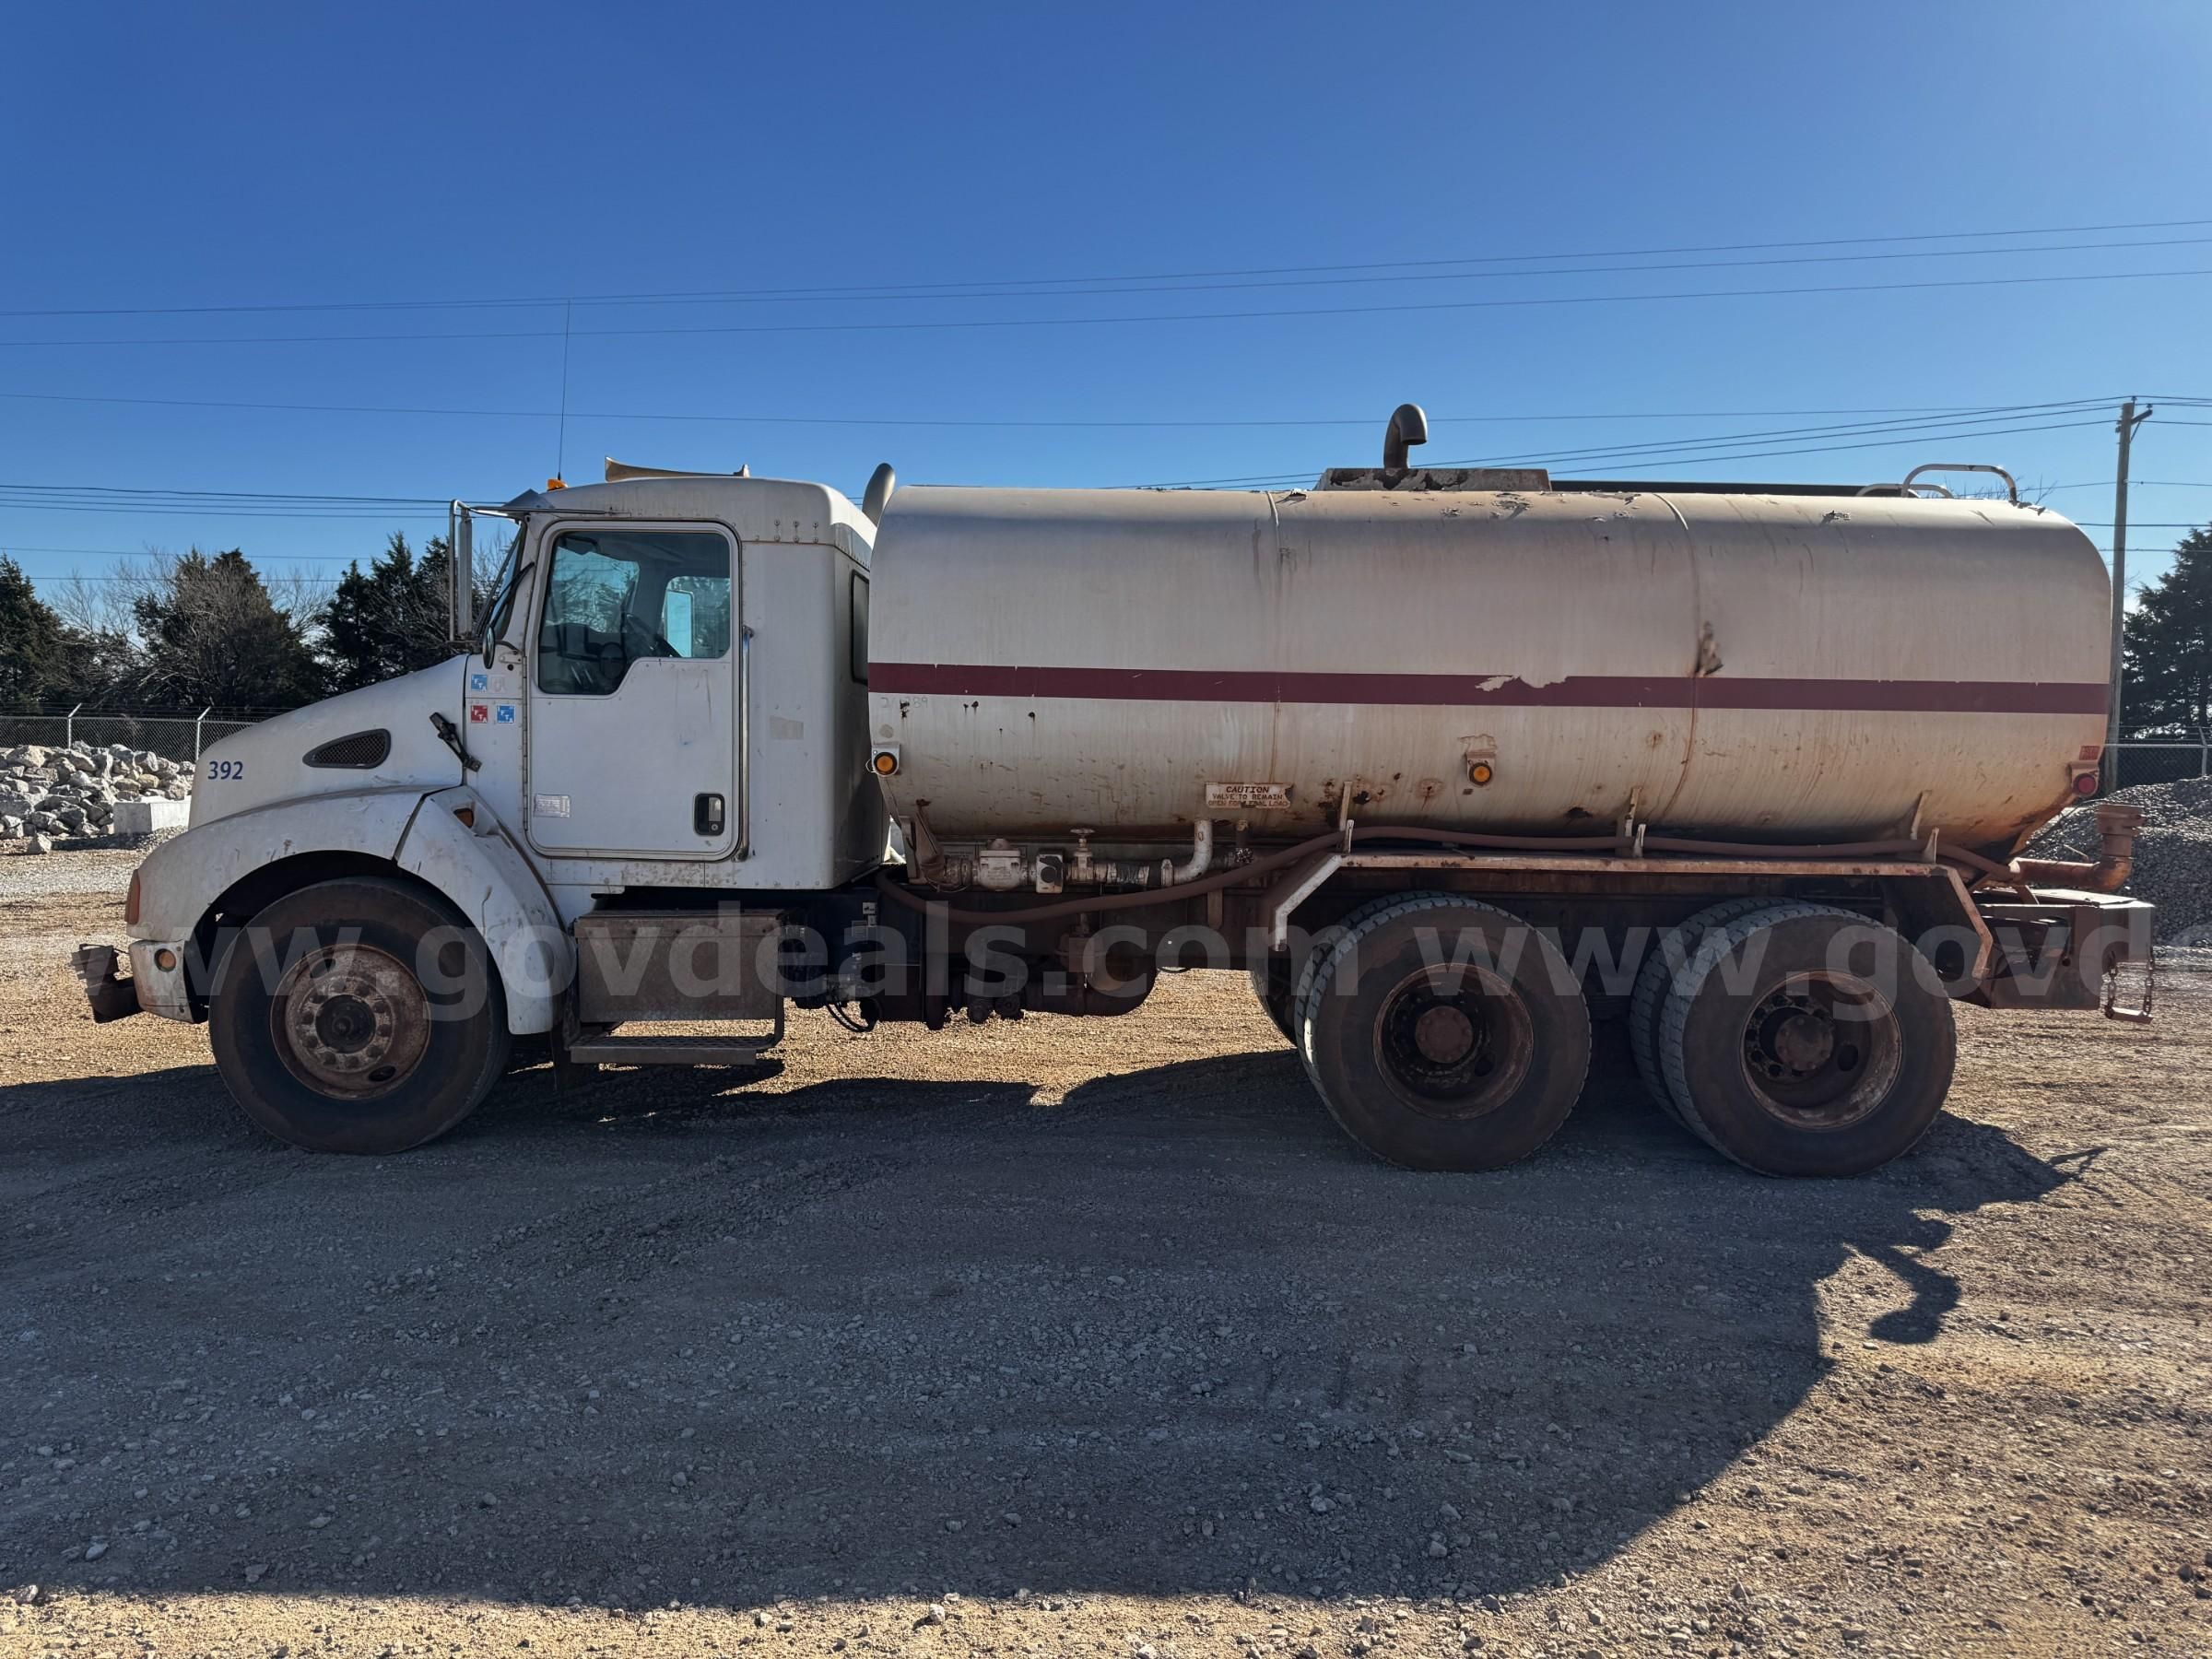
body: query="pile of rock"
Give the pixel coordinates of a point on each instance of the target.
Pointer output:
(49, 793)
(2174, 852)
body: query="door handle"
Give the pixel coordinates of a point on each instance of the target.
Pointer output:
(706, 814)
(745, 743)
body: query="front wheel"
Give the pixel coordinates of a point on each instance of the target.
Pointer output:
(357, 1016)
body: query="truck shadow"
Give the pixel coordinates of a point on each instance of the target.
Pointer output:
(881, 1338)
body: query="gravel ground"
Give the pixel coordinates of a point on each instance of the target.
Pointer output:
(1089, 1337)
(70, 873)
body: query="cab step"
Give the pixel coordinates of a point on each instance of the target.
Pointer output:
(615, 1049)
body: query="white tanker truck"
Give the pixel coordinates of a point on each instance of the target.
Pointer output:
(1446, 760)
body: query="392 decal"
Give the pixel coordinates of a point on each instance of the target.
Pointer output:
(226, 771)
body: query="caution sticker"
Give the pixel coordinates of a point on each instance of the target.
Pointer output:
(1248, 797)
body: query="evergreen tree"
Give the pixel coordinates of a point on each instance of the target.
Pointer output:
(212, 636)
(34, 644)
(389, 620)
(2168, 646)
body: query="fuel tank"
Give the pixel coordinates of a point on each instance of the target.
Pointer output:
(1775, 667)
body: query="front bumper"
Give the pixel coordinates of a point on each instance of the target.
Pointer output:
(150, 988)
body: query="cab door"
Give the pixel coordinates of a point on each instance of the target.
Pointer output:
(633, 742)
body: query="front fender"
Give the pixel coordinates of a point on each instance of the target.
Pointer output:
(181, 879)
(478, 867)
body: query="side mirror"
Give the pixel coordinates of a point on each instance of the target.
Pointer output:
(460, 571)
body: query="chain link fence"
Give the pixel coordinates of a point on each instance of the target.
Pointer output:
(171, 735)
(2156, 761)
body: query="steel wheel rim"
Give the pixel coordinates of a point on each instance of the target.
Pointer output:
(350, 1021)
(1822, 1051)
(1455, 1046)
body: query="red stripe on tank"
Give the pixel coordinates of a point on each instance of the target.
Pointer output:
(1493, 690)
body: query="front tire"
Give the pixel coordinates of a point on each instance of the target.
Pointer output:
(1444, 1034)
(327, 1033)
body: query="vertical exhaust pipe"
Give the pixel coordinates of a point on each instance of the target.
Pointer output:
(881, 482)
(1408, 426)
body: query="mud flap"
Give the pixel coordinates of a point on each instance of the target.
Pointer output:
(112, 995)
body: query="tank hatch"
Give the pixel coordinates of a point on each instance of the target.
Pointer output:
(1415, 479)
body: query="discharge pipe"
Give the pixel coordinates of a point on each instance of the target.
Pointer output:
(2116, 825)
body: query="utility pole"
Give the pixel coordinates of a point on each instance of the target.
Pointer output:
(2129, 421)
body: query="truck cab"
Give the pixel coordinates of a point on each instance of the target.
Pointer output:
(661, 709)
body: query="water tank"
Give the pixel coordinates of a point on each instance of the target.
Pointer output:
(1779, 667)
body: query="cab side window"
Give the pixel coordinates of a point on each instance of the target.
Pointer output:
(614, 598)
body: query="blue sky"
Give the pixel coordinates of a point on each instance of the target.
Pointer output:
(198, 157)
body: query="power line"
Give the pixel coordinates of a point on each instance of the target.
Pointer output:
(393, 516)
(1995, 422)
(1992, 413)
(942, 323)
(1892, 442)
(266, 569)
(999, 287)
(241, 495)
(2133, 484)
(854, 420)
(127, 498)
(909, 293)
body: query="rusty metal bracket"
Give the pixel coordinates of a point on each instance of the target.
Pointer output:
(1302, 882)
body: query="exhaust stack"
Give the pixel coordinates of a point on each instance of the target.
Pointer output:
(1408, 426)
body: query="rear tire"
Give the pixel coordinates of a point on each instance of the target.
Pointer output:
(327, 1036)
(1804, 1039)
(1670, 953)
(1271, 983)
(1279, 981)
(1444, 1034)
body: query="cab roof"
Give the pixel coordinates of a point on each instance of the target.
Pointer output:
(759, 509)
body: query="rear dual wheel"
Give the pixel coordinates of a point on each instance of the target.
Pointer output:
(1669, 954)
(1443, 1034)
(1280, 979)
(1803, 1039)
